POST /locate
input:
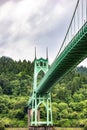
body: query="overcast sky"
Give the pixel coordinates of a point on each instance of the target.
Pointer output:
(26, 24)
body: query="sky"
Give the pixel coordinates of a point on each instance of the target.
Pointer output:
(26, 24)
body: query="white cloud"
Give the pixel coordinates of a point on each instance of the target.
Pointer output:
(29, 23)
(83, 63)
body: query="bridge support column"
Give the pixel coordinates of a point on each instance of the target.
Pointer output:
(38, 101)
(35, 112)
(41, 128)
(29, 117)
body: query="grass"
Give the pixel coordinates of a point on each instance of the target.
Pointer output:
(69, 128)
(17, 129)
(57, 128)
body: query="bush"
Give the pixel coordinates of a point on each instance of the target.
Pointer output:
(2, 127)
(85, 127)
(64, 123)
(74, 123)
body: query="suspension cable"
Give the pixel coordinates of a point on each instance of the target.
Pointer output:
(67, 31)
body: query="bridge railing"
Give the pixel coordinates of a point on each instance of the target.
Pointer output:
(79, 18)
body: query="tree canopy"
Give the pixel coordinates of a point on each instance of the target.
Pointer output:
(69, 96)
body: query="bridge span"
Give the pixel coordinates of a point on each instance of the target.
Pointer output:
(73, 50)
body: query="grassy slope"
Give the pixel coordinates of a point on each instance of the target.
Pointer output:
(55, 128)
(69, 129)
(17, 129)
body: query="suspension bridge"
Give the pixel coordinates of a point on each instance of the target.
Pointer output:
(73, 50)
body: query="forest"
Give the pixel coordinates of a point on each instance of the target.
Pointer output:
(69, 96)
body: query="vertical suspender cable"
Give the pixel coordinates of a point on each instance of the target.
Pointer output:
(78, 14)
(82, 12)
(74, 24)
(86, 10)
(71, 29)
(67, 30)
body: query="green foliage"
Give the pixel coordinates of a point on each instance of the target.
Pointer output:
(85, 127)
(62, 106)
(69, 96)
(64, 123)
(2, 127)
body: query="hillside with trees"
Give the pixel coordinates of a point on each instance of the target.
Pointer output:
(69, 96)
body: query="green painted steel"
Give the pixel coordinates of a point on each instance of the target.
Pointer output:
(40, 65)
(71, 53)
(71, 56)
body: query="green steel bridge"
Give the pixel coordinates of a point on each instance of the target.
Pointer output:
(73, 50)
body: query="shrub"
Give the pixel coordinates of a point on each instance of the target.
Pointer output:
(64, 123)
(85, 127)
(2, 127)
(74, 123)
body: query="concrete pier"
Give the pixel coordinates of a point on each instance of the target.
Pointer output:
(41, 128)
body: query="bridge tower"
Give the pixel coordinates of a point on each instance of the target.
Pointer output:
(40, 65)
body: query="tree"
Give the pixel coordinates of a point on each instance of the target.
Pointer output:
(85, 127)
(1, 90)
(76, 84)
(78, 97)
(62, 106)
(2, 127)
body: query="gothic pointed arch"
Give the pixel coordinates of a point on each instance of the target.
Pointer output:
(40, 76)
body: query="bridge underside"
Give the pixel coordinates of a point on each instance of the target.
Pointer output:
(73, 54)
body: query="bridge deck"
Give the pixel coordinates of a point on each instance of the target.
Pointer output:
(72, 55)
